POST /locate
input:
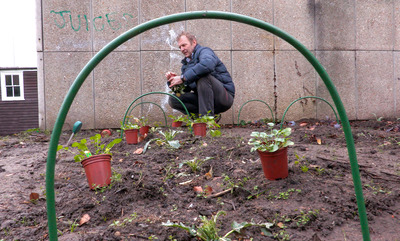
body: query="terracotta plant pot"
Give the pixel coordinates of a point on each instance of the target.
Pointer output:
(98, 170)
(199, 129)
(131, 136)
(144, 130)
(274, 164)
(177, 124)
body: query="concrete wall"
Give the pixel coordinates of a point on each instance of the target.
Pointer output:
(357, 41)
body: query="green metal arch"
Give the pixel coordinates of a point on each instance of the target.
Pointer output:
(147, 102)
(152, 93)
(307, 97)
(240, 110)
(50, 166)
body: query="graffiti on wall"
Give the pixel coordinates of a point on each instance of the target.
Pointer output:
(114, 21)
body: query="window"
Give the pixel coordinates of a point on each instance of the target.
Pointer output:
(12, 85)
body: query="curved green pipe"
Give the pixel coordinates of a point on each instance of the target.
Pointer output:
(152, 93)
(149, 102)
(306, 97)
(55, 137)
(240, 110)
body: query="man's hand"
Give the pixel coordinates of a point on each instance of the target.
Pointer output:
(175, 80)
(169, 74)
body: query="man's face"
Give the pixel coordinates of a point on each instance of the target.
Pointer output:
(186, 46)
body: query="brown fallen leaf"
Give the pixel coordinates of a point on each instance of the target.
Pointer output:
(138, 151)
(209, 190)
(198, 189)
(280, 224)
(34, 196)
(85, 218)
(319, 141)
(209, 174)
(303, 124)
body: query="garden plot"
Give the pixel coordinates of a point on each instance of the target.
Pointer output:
(154, 192)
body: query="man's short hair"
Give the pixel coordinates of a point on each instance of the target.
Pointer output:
(188, 35)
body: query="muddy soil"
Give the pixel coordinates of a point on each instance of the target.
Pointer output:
(315, 202)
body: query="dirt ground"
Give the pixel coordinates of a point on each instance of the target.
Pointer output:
(315, 202)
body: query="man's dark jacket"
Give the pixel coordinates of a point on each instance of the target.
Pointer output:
(204, 62)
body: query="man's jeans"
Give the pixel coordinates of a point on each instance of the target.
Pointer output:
(210, 98)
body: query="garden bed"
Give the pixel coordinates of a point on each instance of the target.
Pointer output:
(316, 202)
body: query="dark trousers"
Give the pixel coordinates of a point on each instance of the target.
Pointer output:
(210, 98)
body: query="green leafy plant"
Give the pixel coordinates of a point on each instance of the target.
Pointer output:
(378, 118)
(377, 189)
(207, 119)
(116, 177)
(125, 221)
(73, 226)
(305, 217)
(168, 140)
(195, 163)
(178, 90)
(128, 125)
(303, 164)
(208, 230)
(270, 141)
(94, 146)
(179, 118)
(286, 195)
(142, 121)
(215, 133)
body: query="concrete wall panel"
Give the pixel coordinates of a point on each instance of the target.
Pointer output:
(117, 83)
(356, 41)
(213, 33)
(335, 25)
(111, 19)
(163, 37)
(396, 18)
(374, 21)
(66, 25)
(340, 66)
(375, 84)
(155, 64)
(253, 73)
(226, 57)
(246, 37)
(58, 84)
(396, 57)
(297, 19)
(295, 78)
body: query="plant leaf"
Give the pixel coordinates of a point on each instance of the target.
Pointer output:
(174, 144)
(191, 230)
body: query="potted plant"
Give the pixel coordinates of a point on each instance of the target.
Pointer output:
(131, 132)
(178, 120)
(95, 158)
(201, 123)
(272, 149)
(143, 124)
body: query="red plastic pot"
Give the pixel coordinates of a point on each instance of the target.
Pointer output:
(144, 130)
(177, 124)
(274, 164)
(98, 170)
(131, 136)
(199, 129)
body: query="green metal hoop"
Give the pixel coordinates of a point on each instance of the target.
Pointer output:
(240, 110)
(76, 85)
(149, 102)
(129, 110)
(306, 97)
